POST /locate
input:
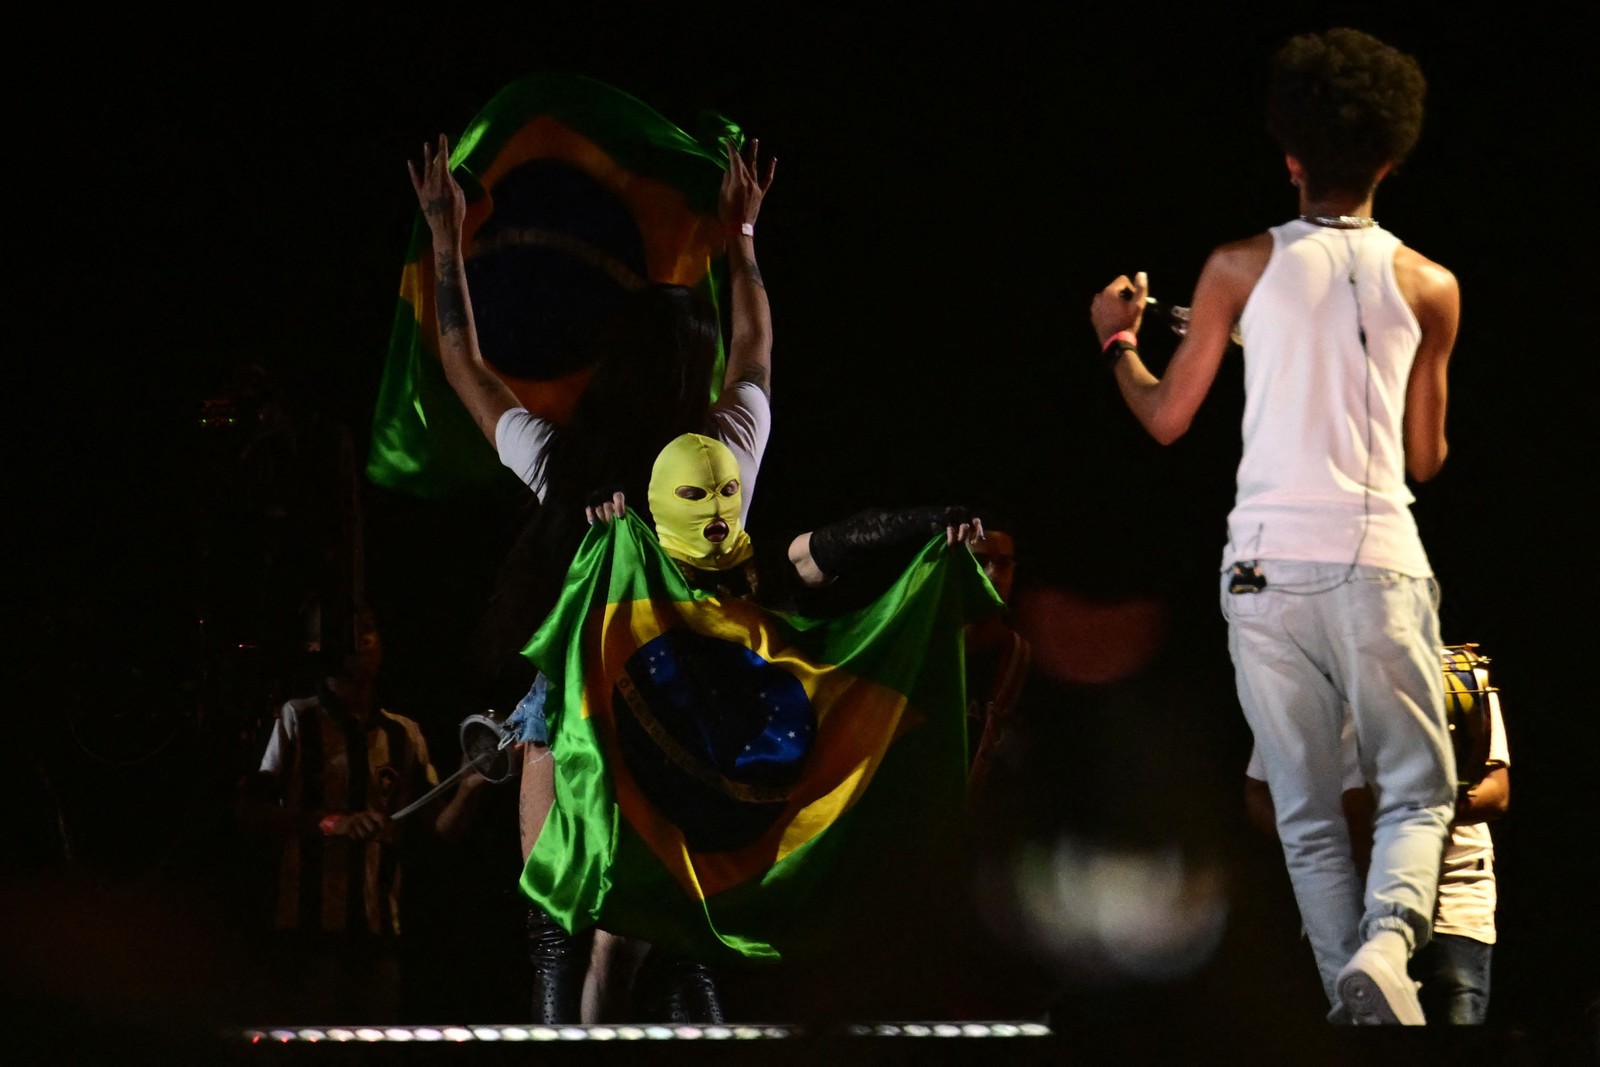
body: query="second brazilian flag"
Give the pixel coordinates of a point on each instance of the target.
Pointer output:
(576, 194)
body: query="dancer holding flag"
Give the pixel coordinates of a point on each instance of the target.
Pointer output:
(721, 767)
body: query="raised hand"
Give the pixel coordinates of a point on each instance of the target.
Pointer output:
(739, 200)
(443, 203)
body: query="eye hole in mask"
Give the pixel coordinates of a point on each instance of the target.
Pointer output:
(691, 492)
(730, 489)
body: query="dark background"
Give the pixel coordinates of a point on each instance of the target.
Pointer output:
(195, 195)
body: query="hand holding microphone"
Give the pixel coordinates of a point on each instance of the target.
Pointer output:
(1176, 316)
(1119, 307)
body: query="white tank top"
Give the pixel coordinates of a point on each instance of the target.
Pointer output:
(1322, 478)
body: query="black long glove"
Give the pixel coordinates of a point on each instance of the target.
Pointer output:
(849, 545)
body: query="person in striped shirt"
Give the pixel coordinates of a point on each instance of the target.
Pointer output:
(336, 767)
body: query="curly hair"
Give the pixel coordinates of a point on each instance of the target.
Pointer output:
(1344, 104)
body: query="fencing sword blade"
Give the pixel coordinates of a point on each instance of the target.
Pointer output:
(430, 794)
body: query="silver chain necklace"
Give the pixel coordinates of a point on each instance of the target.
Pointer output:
(1341, 222)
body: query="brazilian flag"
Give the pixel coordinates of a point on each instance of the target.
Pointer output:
(576, 194)
(723, 771)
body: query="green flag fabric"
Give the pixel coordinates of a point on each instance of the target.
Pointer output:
(723, 770)
(577, 193)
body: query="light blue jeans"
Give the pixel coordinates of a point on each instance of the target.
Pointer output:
(1319, 637)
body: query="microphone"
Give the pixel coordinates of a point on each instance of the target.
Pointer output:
(1176, 316)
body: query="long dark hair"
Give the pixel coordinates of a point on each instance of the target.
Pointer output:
(652, 381)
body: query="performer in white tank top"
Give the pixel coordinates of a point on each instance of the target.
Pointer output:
(1327, 590)
(1323, 472)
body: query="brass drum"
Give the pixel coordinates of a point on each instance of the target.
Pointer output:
(1467, 696)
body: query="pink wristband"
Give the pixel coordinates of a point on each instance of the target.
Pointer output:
(1121, 335)
(329, 825)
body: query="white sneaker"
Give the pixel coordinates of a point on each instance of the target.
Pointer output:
(1376, 992)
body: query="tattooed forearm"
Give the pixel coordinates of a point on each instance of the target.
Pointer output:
(748, 268)
(449, 294)
(452, 309)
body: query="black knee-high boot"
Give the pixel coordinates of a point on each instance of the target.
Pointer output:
(560, 961)
(694, 993)
(679, 990)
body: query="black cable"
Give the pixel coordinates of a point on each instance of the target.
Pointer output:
(1366, 397)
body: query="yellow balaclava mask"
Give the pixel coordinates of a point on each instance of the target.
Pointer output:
(695, 495)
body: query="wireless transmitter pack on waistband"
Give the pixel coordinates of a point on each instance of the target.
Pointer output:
(1245, 577)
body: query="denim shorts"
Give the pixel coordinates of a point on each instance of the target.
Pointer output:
(527, 723)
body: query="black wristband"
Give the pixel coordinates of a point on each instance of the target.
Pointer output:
(1113, 352)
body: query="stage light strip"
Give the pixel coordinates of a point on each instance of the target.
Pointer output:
(651, 1032)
